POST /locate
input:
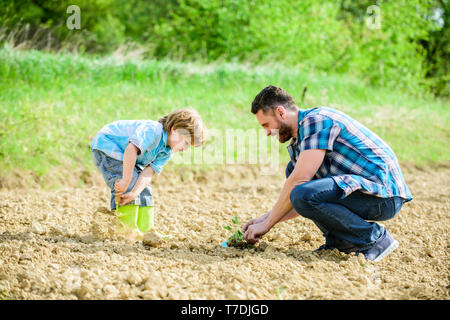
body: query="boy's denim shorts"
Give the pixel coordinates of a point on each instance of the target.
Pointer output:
(111, 170)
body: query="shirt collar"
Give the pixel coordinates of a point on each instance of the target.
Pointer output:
(301, 115)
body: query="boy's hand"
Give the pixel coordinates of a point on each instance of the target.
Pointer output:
(127, 197)
(120, 186)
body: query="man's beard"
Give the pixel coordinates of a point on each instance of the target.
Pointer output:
(284, 132)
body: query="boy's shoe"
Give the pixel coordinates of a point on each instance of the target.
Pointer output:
(163, 236)
(128, 215)
(146, 222)
(145, 219)
(382, 247)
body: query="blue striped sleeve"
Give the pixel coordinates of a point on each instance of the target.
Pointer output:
(318, 132)
(159, 162)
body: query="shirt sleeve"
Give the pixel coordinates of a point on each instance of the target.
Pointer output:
(318, 132)
(159, 162)
(145, 138)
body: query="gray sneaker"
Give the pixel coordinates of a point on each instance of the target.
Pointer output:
(382, 247)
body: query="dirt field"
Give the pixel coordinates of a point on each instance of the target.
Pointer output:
(65, 244)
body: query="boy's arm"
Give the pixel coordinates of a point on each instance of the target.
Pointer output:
(129, 161)
(144, 179)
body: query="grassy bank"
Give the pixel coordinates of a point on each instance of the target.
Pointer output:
(52, 105)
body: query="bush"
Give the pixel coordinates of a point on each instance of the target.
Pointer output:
(409, 51)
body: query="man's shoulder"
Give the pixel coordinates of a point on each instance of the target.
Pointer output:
(323, 114)
(323, 111)
(319, 114)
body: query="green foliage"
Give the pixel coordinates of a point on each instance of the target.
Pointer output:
(279, 291)
(4, 296)
(52, 105)
(237, 237)
(410, 51)
(437, 48)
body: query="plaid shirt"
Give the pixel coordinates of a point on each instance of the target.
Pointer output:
(356, 158)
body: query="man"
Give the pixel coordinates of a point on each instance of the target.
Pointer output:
(340, 175)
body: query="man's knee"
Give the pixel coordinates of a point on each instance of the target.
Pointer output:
(301, 197)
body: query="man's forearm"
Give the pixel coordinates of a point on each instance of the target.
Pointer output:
(309, 161)
(283, 207)
(290, 215)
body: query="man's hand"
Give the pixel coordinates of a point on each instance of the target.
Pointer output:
(255, 221)
(255, 232)
(120, 186)
(127, 197)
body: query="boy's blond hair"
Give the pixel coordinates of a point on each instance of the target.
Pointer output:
(187, 120)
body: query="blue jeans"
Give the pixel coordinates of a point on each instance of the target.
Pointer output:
(343, 221)
(111, 170)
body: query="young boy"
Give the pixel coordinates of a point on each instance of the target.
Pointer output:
(129, 152)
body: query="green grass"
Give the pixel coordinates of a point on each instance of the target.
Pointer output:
(52, 105)
(4, 296)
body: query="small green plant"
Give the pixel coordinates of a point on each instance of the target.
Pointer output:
(279, 291)
(237, 238)
(4, 296)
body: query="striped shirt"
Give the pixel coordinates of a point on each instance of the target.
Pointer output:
(356, 158)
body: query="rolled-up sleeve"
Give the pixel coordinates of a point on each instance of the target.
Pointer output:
(159, 162)
(318, 132)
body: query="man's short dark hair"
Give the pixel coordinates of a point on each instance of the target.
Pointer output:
(270, 98)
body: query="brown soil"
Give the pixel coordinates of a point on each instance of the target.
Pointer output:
(65, 244)
(239, 244)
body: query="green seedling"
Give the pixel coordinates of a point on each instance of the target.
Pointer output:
(279, 291)
(237, 237)
(4, 295)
